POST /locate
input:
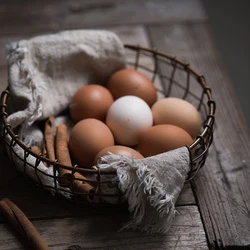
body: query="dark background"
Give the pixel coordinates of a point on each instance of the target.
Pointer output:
(230, 22)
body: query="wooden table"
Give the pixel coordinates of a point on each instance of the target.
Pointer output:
(214, 209)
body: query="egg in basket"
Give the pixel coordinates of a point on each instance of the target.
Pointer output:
(101, 122)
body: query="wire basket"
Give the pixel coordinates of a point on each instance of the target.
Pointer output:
(171, 77)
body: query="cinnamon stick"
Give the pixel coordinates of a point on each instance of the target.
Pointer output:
(44, 153)
(49, 132)
(10, 216)
(62, 151)
(37, 150)
(40, 151)
(22, 224)
(63, 156)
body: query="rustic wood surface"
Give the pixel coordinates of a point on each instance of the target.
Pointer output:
(217, 214)
(100, 232)
(49, 16)
(223, 184)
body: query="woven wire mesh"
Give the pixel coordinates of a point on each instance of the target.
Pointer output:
(171, 77)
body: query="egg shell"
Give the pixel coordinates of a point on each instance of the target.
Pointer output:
(162, 138)
(87, 138)
(118, 150)
(127, 117)
(178, 112)
(91, 101)
(132, 82)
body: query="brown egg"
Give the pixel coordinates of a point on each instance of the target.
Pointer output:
(132, 82)
(178, 112)
(91, 101)
(162, 138)
(118, 150)
(87, 138)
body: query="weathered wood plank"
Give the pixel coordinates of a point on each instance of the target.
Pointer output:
(101, 232)
(49, 16)
(222, 187)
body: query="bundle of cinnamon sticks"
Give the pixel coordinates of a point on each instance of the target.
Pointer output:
(56, 149)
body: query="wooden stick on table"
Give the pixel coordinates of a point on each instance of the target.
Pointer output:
(22, 224)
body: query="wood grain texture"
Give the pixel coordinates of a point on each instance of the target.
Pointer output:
(222, 186)
(101, 232)
(49, 16)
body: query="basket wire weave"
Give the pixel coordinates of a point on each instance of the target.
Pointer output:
(171, 76)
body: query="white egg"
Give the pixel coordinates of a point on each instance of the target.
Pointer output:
(127, 117)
